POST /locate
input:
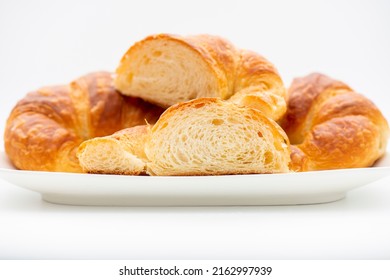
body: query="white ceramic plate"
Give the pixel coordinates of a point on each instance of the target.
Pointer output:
(263, 189)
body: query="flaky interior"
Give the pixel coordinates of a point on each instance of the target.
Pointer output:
(120, 153)
(108, 157)
(165, 72)
(211, 138)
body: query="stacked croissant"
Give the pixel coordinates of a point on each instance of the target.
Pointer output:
(194, 105)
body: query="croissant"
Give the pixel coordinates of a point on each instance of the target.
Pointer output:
(167, 69)
(204, 136)
(331, 126)
(45, 128)
(121, 153)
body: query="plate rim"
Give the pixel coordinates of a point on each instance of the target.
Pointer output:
(53, 173)
(292, 188)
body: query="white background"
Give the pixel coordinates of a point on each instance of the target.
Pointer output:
(53, 42)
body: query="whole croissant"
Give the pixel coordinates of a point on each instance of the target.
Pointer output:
(331, 126)
(167, 69)
(45, 128)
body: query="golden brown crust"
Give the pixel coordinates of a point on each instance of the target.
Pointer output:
(302, 93)
(45, 128)
(332, 126)
(244, 76)
(258, 85)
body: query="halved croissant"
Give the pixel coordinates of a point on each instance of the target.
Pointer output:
(205, 136)
(167, 69)
(45, 128)
(331, 126)
(119, 153)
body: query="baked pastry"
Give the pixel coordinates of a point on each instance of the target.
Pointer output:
(331, 126)
(45, 128)
(204, 136)
(211, 137)
(167, 69)
(119, 153)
